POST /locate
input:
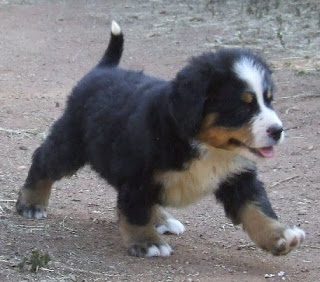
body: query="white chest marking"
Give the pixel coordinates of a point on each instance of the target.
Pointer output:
(201, 177)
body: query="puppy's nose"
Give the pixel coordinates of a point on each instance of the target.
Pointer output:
(275, 132)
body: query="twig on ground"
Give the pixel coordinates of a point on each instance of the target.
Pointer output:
(62, 223)
(112, 272)
(65, 267)
(4, 261)
(47, 269)
(5, 201)
(300, 96)
(283, 180)
(312, 247)
(30, 226)
(25, 132)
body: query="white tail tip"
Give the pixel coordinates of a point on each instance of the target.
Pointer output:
(115, 28)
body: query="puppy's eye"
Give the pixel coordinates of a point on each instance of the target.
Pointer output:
(247, 97)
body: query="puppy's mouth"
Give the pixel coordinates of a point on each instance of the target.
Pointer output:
(263, 152)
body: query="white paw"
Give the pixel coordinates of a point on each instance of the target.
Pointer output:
(171, 225)
(161, 251)
(292, 239)
(36, 212)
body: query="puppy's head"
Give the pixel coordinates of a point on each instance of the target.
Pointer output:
(224, 99)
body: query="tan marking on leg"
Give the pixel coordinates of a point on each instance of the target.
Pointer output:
(136, 234)
(263, 230)
(37, 195)
(143, 241)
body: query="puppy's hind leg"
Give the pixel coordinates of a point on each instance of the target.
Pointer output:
(142, 240)
(137, 214)
(166, 223)
(60, 155)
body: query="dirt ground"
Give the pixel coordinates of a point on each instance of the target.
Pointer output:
(46, 46)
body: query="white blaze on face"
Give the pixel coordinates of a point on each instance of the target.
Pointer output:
(253, 74)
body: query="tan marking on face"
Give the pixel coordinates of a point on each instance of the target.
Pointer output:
(137, 234)
(219, 137)
(263, 230)
(37, 195)
(208, 121)
(247, 97)
(200, 177)
(269, 94)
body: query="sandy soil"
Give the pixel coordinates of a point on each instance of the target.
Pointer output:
(46, 46)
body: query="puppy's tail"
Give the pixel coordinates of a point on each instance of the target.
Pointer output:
(112, 56)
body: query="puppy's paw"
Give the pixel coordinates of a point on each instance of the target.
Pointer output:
(30, 211)
(33, 201)
(150, 250)
(269, 233)
(171, 225)
(290, 239)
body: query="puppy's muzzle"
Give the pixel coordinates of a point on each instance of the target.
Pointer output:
(275, 132)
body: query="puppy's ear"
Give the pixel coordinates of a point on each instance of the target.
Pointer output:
(190, 90)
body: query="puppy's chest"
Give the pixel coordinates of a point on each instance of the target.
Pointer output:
(201, 177)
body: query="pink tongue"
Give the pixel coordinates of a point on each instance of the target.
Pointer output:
(266, 152)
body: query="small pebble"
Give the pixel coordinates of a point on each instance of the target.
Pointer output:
(269, 275)
(281, 274)
(22, 167)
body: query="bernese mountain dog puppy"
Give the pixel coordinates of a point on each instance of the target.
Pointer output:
(166, 143)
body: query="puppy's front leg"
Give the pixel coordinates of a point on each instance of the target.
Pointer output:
(269, 233)
(246, 202)
(137, 216)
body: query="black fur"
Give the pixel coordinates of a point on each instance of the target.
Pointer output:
(240, 190)
(112, 56)
(128, 125)
(226, 87)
